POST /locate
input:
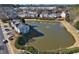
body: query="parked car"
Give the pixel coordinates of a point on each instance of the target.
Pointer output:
(5, 41)
(10, 38)
(7, 29)
(10, 34)
(5, 26)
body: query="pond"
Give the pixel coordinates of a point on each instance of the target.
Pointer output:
(55, 36)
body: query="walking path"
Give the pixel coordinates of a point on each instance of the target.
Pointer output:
(73, 31)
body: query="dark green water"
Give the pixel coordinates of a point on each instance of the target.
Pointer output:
(55, 36)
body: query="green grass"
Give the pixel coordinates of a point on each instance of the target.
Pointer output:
(63, 51)
(31, 49)
(20, 44)
(77, 25)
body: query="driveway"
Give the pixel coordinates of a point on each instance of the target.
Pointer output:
(4, 49)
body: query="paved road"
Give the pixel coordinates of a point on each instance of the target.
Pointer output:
(4, 49)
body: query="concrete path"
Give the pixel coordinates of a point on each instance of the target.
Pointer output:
(73, 31)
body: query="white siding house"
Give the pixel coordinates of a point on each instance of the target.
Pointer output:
(19, 27)
(14, 26)
(63, 14)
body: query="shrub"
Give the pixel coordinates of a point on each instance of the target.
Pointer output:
(20, 42)
(23, 21)
(70, 50)
(32, 49)
(19, 46)
(77, 25)
(63, 51)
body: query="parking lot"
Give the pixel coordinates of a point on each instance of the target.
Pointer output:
(3, 49)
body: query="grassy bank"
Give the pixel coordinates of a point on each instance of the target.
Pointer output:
(63, 51)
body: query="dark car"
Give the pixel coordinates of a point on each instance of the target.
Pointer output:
(10, 38)
(7, 29)
(5, 41)
(10, 34)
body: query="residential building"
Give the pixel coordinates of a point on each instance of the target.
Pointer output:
(20, 27)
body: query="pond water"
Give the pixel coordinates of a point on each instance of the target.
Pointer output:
(55, 36)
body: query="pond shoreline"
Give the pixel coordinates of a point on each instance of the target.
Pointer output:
(73, 31)
(54, 21)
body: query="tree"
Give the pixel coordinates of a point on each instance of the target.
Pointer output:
(23, 21)
(20, 42)
(31, 49)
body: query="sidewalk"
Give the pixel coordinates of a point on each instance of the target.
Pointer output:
(6, 37)
(73, 31)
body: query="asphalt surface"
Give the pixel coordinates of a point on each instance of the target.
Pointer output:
(3, 49)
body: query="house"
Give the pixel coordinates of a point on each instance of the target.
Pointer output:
(23, 28)
(63, 14)
(20, 27)
(32, 14)
(21, 15)
(44, 14)
(52, 15)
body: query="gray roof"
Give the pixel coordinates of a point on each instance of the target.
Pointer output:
(23, 28)
(7, 12)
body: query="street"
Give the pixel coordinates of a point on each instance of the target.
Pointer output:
(4, 49)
